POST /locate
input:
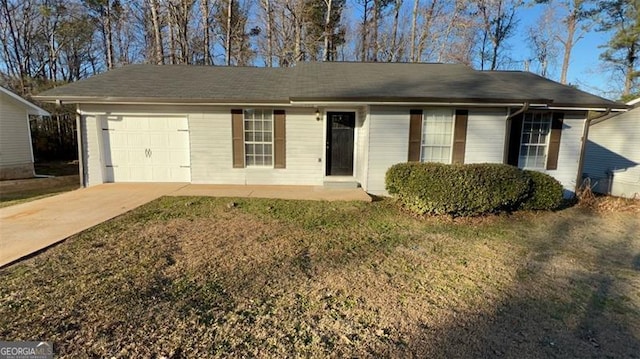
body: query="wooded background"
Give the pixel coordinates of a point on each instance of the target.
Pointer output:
(48, 42)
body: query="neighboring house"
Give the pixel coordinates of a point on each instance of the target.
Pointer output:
(321, 123)
(612, 157)
(16, 152)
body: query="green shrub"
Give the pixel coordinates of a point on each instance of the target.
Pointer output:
(398, 175)
(458, 190)
(545, 192)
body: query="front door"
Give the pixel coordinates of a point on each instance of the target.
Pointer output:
(340, 127)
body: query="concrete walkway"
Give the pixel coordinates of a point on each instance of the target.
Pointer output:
(29, 227)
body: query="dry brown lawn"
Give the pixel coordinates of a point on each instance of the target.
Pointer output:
(196, 277)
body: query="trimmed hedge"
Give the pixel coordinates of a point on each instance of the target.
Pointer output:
(458, 190)
(545, 193)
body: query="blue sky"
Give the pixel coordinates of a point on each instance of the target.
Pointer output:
(585, 68)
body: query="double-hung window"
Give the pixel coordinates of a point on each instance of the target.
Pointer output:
(258, 137)
(437, 135)
(534, 141)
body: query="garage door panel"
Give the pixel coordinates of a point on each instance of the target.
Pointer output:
(142, 149)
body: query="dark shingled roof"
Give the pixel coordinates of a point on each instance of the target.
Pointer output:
(321, 81)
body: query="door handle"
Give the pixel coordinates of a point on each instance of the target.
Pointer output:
(147, 152)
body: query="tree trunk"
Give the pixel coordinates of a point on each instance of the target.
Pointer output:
(172, 41)
(108, 35)
(568, 46)
(376, 17)
(267, 8)
(394, 31)
(228, 38)
(365, 13)
(157, 34)
(206, 38)
(630, 73)
(327, 31)
(414, 25)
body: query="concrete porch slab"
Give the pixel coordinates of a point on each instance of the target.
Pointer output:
(311, 193)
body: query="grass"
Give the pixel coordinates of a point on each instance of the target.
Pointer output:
(13, 198)
(57, 168)
(197, 277)
(27, 190)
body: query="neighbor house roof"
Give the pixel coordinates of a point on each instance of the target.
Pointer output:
(31, 108)
(322, 81)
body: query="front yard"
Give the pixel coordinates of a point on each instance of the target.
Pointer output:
(201, 277)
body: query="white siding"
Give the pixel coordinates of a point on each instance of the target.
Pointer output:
(569, 153)
(15, 143)
(388, 144)
(211, 145)
(613, 149)
(485, 136)
(92, 150)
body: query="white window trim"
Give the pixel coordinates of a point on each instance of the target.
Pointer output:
(453, 127)
(245, 142)
(546, 142)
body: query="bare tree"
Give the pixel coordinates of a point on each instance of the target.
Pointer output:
(498, 24)
(229, 31)
(268, 11)
(158, 49)
(393, 55)
(414, 29)
(542, 37)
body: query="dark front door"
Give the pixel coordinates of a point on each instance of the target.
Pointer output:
(340, 127)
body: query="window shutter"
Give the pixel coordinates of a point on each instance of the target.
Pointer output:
(554, 140)
(279, 134)
(515, 136)
(415, 135)
(460, 136)
(237, 134)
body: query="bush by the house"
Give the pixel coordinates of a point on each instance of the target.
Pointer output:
(545, 193)
(458, 190)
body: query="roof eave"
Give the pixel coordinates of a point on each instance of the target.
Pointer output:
(154, 100)
(31, 108)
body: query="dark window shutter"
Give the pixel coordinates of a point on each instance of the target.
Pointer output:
(515, 136)
(415, 135)
(237, 134)
(554, 141)
(279, 134)
(460, 136)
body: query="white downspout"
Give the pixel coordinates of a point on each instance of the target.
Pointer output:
(83, 182)
(583, 146)
(507, 135)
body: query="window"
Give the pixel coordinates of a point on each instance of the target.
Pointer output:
(535, 139)
(437, 135)
(258, 137)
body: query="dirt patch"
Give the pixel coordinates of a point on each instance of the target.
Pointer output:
(193, 277)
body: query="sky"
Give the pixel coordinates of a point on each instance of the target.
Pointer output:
(585, 68)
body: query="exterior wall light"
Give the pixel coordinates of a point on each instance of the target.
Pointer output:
(317, 114)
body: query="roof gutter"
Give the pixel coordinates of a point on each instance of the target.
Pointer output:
(404, 103)
(510, 115)
(158, 101)
(583, 146)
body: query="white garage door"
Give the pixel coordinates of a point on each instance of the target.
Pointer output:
(146, 149)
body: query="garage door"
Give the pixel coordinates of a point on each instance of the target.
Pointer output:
(146, 149)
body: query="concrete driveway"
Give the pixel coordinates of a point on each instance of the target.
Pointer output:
(28, 227)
